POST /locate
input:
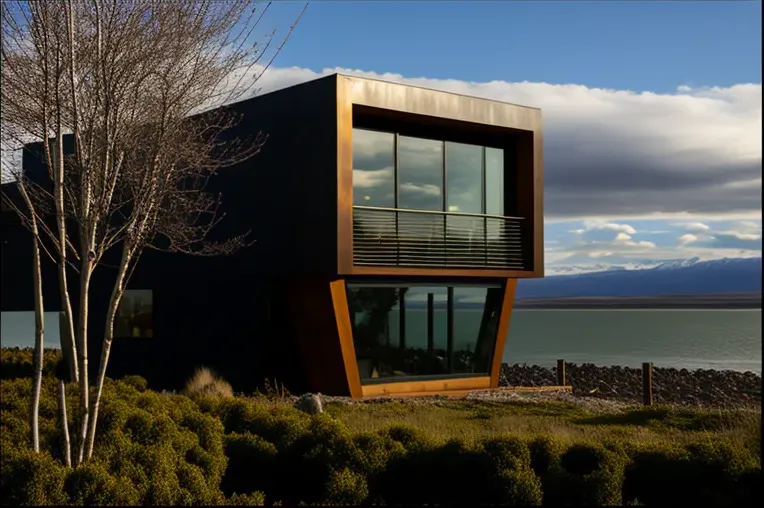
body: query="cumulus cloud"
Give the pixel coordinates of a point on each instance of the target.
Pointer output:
(590, 225)
(619, 153)
(695, 226)
(687, 239)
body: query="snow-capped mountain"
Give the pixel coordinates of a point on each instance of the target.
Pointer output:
(635, 265)
(682, 276)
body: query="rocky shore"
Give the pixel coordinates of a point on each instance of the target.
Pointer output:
(700, 387)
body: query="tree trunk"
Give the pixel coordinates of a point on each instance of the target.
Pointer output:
(108, 336)
(39, 326)
(86, 271)
(66, 304)
(64, 422)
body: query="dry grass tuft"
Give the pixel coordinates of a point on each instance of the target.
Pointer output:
(204, 382)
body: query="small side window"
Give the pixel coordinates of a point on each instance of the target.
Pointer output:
(135, 316)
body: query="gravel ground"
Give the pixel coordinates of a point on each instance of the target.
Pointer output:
(606, 388)
(496, 395)
(701, 387)
(609, 388)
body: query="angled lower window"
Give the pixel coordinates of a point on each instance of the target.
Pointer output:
(423, 331)
(135, 315)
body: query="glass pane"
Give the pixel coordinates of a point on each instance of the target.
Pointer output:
(494, 181)
(420, 173)
(476, 322)
(426, 330)
(464, 178)
(375, 318)
(135, 314)
(17, 330)
(393, 344)
(373, 168)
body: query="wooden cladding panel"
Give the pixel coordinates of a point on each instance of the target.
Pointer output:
(344, 178)
(322, 330)
(345, 332)
(503, 329)
(429, 387)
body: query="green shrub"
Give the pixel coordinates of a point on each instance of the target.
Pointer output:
(700, 473)
(512, 480)
(251, 463)
(373, 454)
(458, 472)
(587, 474)
(517, 487)
(409, 436)
(252, 499)
(149, 449)
(544, 454)
(92, 485)
(346, 488)
(279, 424)
(29, 478)
(326, 446)
(136, 382)
(18, 363)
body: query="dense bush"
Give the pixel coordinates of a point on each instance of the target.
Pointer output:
(586, 474)
(151, 449)
(19, 363)
(157, 449)
(704, 473)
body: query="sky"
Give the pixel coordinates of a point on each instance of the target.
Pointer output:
(652, 110)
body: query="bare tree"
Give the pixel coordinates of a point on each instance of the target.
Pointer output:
(64, 422)
(133, 84)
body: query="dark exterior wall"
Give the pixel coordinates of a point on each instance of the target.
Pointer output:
(287, 194)
(229, 313)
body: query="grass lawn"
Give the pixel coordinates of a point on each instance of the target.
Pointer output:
(563, 420)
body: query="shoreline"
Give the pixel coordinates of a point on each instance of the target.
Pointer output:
(729, 301)
(696, 387)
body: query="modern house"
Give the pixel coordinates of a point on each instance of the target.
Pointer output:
(391, 225)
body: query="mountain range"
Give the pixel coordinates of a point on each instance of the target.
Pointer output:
(678, 277)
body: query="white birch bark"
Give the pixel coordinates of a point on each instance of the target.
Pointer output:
(64, 423)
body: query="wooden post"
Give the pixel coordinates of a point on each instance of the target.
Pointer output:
(647, 383)
(561, 381)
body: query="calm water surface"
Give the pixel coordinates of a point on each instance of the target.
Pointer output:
(709, 339)
(715, 339)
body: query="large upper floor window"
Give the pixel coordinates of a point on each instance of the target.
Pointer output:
(396, 171)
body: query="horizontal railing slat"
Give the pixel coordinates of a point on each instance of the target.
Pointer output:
(417, 238)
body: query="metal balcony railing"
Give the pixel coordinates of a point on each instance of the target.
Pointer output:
(430, 239)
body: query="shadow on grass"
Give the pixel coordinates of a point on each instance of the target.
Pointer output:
(681, 419)
(485, 410)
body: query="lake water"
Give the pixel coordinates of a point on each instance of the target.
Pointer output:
(716, 339)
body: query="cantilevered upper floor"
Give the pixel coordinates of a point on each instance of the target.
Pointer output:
(361, 177)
